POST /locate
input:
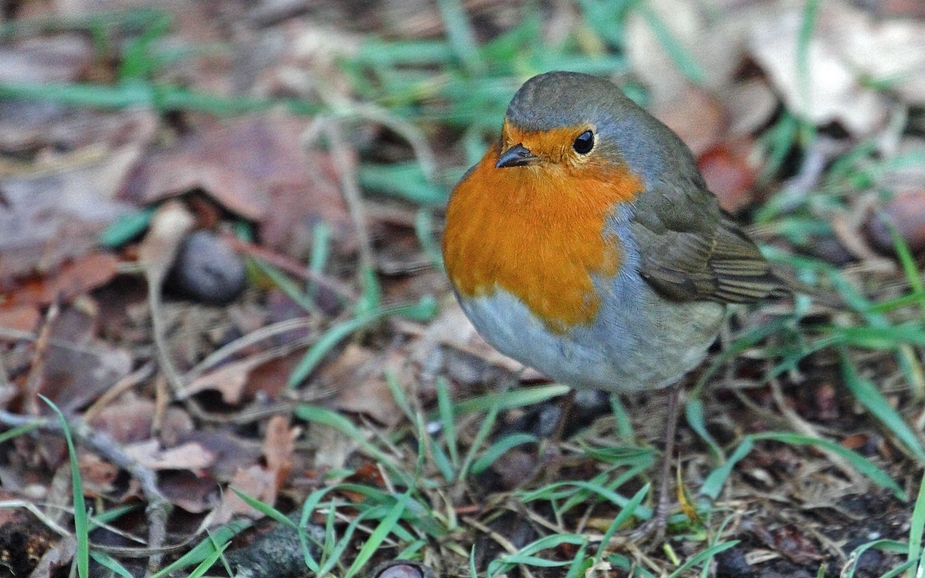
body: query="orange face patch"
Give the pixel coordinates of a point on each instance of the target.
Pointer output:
(537, 231)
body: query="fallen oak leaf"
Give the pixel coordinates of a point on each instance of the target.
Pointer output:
(278, 445)
(229, 380)
(254, 482)
(188, 456)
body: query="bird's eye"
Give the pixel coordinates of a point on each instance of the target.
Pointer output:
(584, 143)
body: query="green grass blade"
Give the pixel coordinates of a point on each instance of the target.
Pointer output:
(884, 545)
(641, 512)
(917, 524)
(520, 397)
(399, 395)
(448, 420)
(126, 228)
(693, 411)
(206, 548)
(704, 556)
(460, 33)
(622, 518)
(403, 180)
(385, 527)
(332, 419)
(678, 52)
(621, 418)
(810, 12)
(859, 462)
(321, 250)
(527, 557)
(20, 430)
(714, 483)
(108, 562)
(871, 398)
(580, 564)
(498, 449)
(81, 520)
(423, 309)
(480, 436)
(900, 569)
(210, 561)
(286, 285)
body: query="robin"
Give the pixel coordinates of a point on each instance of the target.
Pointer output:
(586, 245)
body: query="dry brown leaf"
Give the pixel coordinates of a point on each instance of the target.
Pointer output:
(74, 377)
(96, 475)
(188, 456)
(19, 317)
(193, 492)
(831, 89)
(278, 445)
(45, 129)
(250, 165)
(229, 380)
(231, 452)
(299, 207)
(332, 447)
(64, 195)
(730, 173)
(749, 106)
(715, 44)
(356, 375)
(254, 482)
(695, 116)
(451, 327)
(270, 377)
(69, 198)
(81, 275)
(884, 50)
(178, 173)
(126, 421)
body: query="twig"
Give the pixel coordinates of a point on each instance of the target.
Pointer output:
(341, 106)
(43, 518)
(53, 525)
(4, 376)
(34, 380)
(346, 174)
(100, 443)
(9, 334)
(156, 254)
(411, 134)
(117, 389)
(227, 351)
(292, 267)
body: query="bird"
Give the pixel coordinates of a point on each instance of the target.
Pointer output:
(586, 244)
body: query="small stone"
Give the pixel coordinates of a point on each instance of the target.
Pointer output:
(207, 270)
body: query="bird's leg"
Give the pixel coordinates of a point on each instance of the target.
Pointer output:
(550, 458)
(654, 528)
(663, 506)
(565, 408)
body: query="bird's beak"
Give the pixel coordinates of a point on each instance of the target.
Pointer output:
(516, 156)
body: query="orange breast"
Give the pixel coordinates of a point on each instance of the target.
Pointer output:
(537, 233)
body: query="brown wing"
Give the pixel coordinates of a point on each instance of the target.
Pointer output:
(690, 250)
